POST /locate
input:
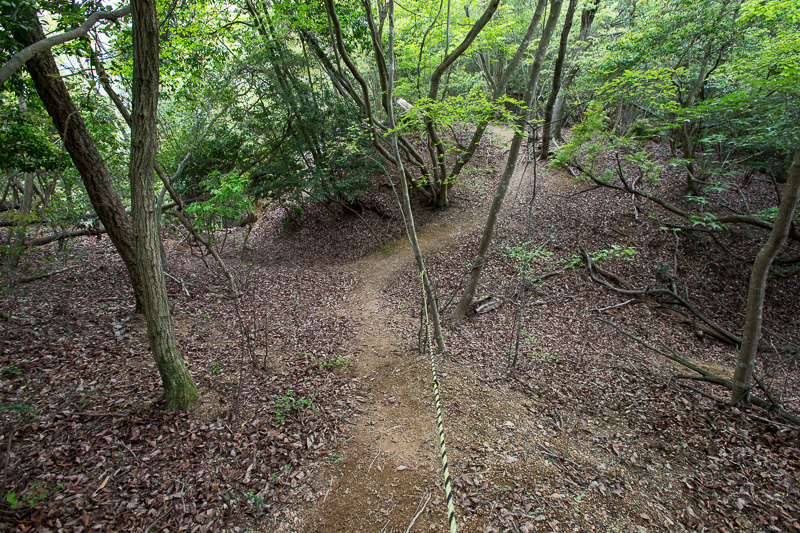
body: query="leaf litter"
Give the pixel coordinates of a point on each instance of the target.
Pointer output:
(589, 433)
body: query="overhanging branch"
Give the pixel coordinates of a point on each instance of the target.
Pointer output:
(19, 59)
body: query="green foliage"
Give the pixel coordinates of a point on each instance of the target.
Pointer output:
(591, 138)
(287, 404)
(31, 497)
(304, 171)
(254, 500)
(225, 199)
(743, 59)
(11, 369)
(616, 251)
(524, 255)
(25, 412)
(29, 141)
(706, 220)
(334, 361)
(458, 110)
(12, 500)
(770, 213)
(527, 257)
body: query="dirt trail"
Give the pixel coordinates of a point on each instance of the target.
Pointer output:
(390, 466)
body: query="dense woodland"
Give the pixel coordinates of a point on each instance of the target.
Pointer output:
(236, 237)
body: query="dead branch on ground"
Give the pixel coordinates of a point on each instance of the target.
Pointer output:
(705, 375)
(34, 277)
(794, 233)
(713, 328)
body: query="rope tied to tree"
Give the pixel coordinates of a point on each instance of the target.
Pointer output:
(448, 485)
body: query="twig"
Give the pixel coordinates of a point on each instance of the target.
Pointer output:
(672, 356)
(7, 459)
(376, 455)
(601, 309)
(330, 486)
(701, 393)
(771, 422)
(764, 389)
(721, 333)
(707, 376)
(28, 279)
(419, 512)
(154, 526)
(176, 280)
(361, 218)
(130, 450)
(590, 189)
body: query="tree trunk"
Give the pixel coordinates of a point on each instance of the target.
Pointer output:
(742, 378)
(411, 228)
(500, 86)
(587, 17)
(78, 143)
(559, 66)
(24, 211)
(179, 388)
(558, 109)
(500, 193)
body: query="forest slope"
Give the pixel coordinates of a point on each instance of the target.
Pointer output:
(322, 399)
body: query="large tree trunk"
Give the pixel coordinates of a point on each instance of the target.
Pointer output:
(743, 376)
(78, 143)
(559, 66)
(179, 388)
(500, 193)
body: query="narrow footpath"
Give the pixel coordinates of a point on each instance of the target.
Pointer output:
(390, 467)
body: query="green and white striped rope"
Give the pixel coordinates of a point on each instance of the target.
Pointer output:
(448, 486)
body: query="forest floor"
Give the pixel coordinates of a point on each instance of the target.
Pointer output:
(316, 408)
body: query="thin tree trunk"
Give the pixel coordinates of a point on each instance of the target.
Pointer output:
(412, 230)
(530, 91)
(24, 211)
(558, 109)
(179, 388)
(587, 17)
(167, 182)
(78, 143)
(24, 55)
(445, 184)
(499, 88)
(743, 375)
(557, 69)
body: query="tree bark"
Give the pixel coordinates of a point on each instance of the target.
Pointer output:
(442, 199)
(179, 388)
(499, 88)
(743, 375)
(530, 91)
(85, 156)
(557, 69)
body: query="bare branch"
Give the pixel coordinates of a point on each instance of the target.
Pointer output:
(19, 59)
